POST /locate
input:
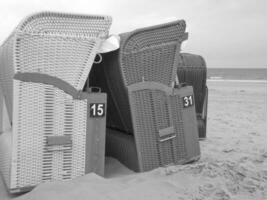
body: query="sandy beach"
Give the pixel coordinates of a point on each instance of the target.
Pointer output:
(233, 163)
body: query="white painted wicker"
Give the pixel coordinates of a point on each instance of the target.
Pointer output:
(60, 45)
(63, 46)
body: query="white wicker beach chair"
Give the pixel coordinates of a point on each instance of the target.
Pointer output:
(44, 65)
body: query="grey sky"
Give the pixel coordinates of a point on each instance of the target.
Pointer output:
(228, 33)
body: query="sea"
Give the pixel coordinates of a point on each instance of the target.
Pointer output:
(243, 74)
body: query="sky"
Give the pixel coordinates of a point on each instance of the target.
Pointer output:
(227, 33)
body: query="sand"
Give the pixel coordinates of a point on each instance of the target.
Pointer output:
(233, 163)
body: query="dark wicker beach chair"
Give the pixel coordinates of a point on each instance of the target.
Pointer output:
(143, 106)
(192, 70)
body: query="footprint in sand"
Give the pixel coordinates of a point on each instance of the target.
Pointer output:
(251, 186)
(264, 175)
(207, 190)
(228, 150)
(220, 194)
(233, 188)
(260, 158)
(243, 159)
(264, 155)
(254, 133)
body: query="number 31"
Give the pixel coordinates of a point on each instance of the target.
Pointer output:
(188, 101)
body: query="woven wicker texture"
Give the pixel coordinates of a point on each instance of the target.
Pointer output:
(34, 120)
(165, 133)
(5, 155)
(147, 54)
(62, 46)
(193, 71)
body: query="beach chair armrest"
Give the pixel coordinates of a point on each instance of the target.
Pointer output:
(51, 80)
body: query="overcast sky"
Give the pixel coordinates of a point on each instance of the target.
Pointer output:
(228, 33)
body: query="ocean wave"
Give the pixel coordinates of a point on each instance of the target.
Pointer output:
(216, 77)
(236, 80)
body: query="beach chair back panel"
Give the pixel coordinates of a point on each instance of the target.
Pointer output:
(149, 54)
(66, 58)
(60, 45)
(42, 111)
(153, 64)
(74, 33)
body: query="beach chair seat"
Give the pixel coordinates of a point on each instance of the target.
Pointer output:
(122, 146)
(192, 70)
(44, 65)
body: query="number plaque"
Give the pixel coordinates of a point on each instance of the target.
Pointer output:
(97, 110)
(188, 101)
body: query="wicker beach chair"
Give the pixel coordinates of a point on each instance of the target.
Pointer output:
(44, 65)
(139, 80)
(192, 70)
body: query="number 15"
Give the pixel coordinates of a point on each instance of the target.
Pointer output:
(97, 110)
